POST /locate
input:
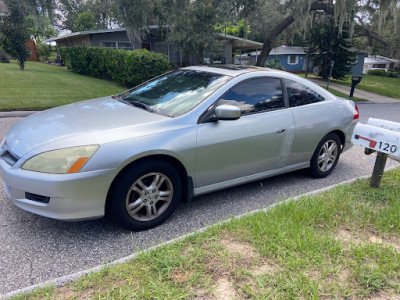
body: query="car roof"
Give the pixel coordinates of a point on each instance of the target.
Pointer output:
(230, 70)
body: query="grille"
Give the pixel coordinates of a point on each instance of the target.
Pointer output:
(9, 158)
(37, 198)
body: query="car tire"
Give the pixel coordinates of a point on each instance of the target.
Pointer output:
(326, 156)
(145, 195)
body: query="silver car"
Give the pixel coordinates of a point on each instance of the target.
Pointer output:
(135, 156)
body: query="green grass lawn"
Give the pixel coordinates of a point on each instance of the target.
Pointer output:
(376, 84)
(42, 85)
(342, 244)
(346, 96)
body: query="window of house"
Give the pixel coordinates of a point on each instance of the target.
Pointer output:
(108, 44)
(256, 95)
(124, 45)
(146, 46)
(380, 66)
(292, 59)
(299, 94)
(119, 45)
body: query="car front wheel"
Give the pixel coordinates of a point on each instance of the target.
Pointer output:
(145, 195)
(326, 156)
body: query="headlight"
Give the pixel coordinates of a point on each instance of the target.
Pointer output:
(62, 161)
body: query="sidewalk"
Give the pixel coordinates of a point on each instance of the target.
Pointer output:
(372, 97)
(17, 114)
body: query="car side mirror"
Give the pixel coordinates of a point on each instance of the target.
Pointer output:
(227, 112)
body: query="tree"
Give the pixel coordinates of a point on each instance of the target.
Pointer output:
(40, 27)
(342, 11)
(327, 45)
(84, 21)
(102, 14)
(14, 32)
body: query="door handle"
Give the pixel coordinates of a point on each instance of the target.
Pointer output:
(281, 131)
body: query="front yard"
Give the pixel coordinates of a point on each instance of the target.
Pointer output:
(43, 86)
(343, 243)
(376, 84)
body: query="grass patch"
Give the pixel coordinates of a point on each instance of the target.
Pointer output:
(42, 86)
(385, 86)
(346, 96)
(339, 244)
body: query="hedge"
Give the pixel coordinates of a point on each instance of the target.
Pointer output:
(126, 67)
(383, 73)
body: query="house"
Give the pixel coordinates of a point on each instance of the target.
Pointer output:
(154, 40)
(293, 59)
(3, 8)
(380, 62)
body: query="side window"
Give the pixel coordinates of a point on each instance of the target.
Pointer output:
(256, 95)
(299, 94)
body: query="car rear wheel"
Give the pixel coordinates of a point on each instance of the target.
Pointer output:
(326, 156)
(145, 195)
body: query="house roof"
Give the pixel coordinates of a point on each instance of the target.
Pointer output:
(282, 50)
(82, 33)
(240, 43)
(237, 43)
(375, 60)
(3, 8)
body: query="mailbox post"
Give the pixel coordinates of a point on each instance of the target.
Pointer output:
(354, 81)
(381, 136)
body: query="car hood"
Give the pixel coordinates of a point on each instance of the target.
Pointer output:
(82, 118)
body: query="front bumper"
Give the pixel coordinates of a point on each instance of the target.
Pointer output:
(73, 197)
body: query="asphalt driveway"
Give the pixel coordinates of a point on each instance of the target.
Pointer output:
(35, 249)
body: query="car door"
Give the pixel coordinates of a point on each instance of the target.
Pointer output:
(312, 117)
(260, 140)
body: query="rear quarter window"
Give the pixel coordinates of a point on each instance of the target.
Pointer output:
(299, 94)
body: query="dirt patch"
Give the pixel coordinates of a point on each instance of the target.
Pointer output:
(241, 248)
(225, 290)
(179, 275)
(343, 275)
(65, 293)
(369, 236)
(265, 267)
(384, 296)
(345, 235)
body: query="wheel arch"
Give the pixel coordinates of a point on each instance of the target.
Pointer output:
(341, 135)
(187, 181)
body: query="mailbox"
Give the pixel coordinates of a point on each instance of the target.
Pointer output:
(354, 81)
(384, 124)
(376, 138)
(381, 136)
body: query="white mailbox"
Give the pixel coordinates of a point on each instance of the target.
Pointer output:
(384, 124)
(379, 135)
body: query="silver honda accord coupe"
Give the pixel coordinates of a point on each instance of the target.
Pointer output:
(135, 156)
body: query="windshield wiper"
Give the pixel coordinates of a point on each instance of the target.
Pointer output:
(136, 103)
(141, 105)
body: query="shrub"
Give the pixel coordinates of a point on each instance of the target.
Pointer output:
(383, 73)
(377, 73)
(128, 68)
(392, 74)
(274, 64)
(43, 51)
(4, 58)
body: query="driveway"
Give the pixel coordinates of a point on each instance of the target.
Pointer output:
(35, 249)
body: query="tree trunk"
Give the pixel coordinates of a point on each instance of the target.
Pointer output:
(270, 39)
(21, 65)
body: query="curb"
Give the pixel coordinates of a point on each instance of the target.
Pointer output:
(17, 114)
(60, 281)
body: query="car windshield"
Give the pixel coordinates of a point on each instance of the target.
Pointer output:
(175, 93)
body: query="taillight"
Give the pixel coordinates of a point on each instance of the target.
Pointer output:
(356, 114)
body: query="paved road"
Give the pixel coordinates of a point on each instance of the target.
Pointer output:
(35, 249)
